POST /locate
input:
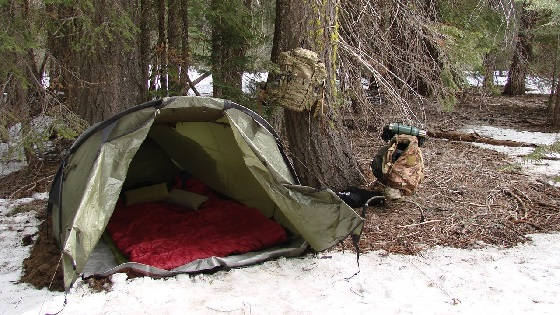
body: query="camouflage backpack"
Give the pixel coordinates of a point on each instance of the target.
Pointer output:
(400, 164)
(300, 84)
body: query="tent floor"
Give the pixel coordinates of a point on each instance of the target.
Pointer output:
(102, 262)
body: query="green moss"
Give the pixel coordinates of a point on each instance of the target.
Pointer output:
(540, 152)
(510, 167)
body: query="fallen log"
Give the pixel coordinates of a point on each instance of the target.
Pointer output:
(548, 158)
(473, 137)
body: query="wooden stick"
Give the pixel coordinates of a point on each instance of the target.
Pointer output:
(417, 224)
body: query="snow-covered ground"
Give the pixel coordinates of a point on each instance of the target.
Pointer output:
(534, 85)
(547, 167)
(12, 157)
(488, 280)
(12, 160)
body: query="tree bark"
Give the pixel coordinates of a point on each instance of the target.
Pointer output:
(173, 47)
(556, 108)
(185, 51)
(144, 48)
(162, 47)
(320, 148)
(228, 50)
(103, 80)
(22, 76)
(489, 64)
(555, 77)
(522, 54)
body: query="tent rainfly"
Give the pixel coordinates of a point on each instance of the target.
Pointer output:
(228, 147)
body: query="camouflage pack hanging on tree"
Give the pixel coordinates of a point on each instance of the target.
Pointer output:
(301, 82)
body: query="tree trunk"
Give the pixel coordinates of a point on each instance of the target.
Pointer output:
(515, 84)
(489, 64)
(555, 111)
(144, 50)
(320, 148)
(162, 47)
(555, 77)
(103, 80)
(173, 47)
(228, 50)
(185, 55)
(21, 76)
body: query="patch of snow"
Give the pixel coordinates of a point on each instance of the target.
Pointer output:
(13, 227)
(520, 280)
(42, 123)
(543, 167)
(12, 160)
(534, 85)
(12, 157)
(540, 138)
(250, 79)
(474, 79)
(205, 87)
(11, 166)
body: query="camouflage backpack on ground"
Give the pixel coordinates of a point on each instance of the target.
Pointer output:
(400, 164)
(300, 84)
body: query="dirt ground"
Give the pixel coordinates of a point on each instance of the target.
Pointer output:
(43, 261)
(469, 196)
(37, 177)
(528, 112)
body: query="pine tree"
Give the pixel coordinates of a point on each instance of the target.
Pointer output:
(319, 145)
(21, 66)
(230, 41)
(95, 46)
(522, 54)
(547, 35)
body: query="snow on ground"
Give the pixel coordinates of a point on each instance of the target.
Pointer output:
(10, 167)
(13, 226)
(547, 167)
(12, 157)
(12, 160)
(534, 85)
(205, 86)
(520, 280)
(498, 133)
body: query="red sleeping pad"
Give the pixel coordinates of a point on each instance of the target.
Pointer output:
(167, 236)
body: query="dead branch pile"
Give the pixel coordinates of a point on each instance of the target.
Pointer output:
(389, 59)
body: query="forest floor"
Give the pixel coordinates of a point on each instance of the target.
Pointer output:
(470, 197)
(470, 194)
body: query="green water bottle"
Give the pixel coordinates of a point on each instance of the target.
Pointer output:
(400, 129)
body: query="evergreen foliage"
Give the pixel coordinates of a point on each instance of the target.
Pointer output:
(57, 56)
(472, 29)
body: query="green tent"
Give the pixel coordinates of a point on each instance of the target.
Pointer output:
(228, 147)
